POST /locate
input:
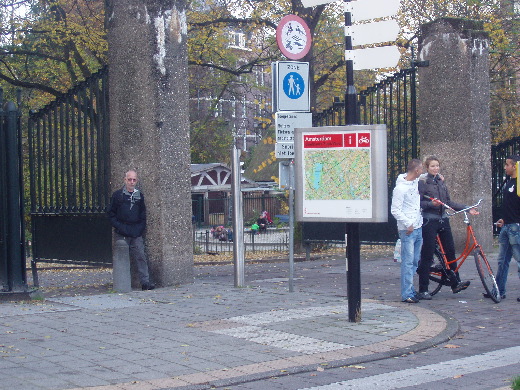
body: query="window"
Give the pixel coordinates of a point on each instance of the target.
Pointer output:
(237, 39)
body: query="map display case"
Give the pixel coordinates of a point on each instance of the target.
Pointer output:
(341, 174)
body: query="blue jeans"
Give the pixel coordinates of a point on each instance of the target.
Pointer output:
(410, 254)
(508, 247)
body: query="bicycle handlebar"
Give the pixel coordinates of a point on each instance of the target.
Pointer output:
(451, 208)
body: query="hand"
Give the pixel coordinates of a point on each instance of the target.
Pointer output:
(436, 202)
(409, 230)
(474, 211)
(500, 222)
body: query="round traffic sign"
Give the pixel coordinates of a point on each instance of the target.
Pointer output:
(293, 37)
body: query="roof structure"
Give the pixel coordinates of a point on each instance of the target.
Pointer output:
(214, 177)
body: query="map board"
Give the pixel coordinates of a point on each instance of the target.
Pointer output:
(341, 174)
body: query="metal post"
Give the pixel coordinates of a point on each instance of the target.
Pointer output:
(350, 93)
(17, 281)
(238, 220)
(352, 229)
(291, 226)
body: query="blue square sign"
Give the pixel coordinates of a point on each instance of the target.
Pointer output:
(292, 86)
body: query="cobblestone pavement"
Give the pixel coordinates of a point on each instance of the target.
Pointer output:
(211, 335)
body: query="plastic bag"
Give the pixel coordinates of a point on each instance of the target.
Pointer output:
(397, 251)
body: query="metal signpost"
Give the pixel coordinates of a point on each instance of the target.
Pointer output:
(291, 102)
(363, 58)
(238, 219)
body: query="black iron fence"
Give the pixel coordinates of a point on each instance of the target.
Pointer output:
(68, 166)
(210, 241)
(210, 212)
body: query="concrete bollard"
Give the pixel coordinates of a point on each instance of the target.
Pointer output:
(121, 267)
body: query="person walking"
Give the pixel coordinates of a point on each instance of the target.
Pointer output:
(509, 237)
(433, 191)
(406, 209)
(127, 214)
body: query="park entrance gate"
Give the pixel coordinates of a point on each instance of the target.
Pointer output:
(69, 176)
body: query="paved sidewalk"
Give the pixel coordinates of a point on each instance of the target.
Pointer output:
(209, 333)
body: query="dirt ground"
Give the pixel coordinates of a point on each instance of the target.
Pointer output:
(70, 280)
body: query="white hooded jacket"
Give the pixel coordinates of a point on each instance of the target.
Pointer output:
(406, 203)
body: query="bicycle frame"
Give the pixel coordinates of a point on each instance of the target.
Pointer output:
(470, 245)
(471, 241)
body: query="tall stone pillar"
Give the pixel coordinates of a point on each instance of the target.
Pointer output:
(149, 124)
(453, 111)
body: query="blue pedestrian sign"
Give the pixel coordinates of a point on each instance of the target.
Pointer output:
(291, 82)
(293, 85)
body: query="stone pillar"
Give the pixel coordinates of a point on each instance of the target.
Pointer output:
(149, 124)
(453, 111)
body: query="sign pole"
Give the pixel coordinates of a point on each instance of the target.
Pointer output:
(238, 219)
(352, 229)
(291, 226)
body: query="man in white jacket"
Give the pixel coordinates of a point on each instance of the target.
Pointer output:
(406, 209)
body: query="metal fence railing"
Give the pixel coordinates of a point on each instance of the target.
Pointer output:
(69, 175)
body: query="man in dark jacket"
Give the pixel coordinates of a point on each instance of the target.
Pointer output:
(127, 215)
(509, 237)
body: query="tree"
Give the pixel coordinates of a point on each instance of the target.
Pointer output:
(50, 45)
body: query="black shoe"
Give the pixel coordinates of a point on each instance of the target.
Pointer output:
(518, 299)
(486, 295)
(148, 286)
(461, 286)
(411, 300)
(424, 296)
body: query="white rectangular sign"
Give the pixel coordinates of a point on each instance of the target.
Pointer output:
(286, 122)
(284, 149)
(341, 174)
(374, 57)
(374, 32)
(292, 91)
(371, 9)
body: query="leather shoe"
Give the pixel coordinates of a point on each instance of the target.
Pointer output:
(148, 286)
(486, 295)
(411, 300)
(461, 286)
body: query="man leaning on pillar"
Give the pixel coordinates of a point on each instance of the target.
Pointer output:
(127, 214)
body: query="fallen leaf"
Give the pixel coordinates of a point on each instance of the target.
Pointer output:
(320, 369)
(357, 367)
(451, 346)
(458, 376)
(481, 327)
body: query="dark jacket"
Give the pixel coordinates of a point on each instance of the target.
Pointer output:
(434, 187)
(127, 212)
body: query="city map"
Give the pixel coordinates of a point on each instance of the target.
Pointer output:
(337, 174)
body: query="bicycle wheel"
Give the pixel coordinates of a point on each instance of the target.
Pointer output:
(486, 275)
(437, 272)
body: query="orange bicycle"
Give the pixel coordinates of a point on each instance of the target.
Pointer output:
(440, 268)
